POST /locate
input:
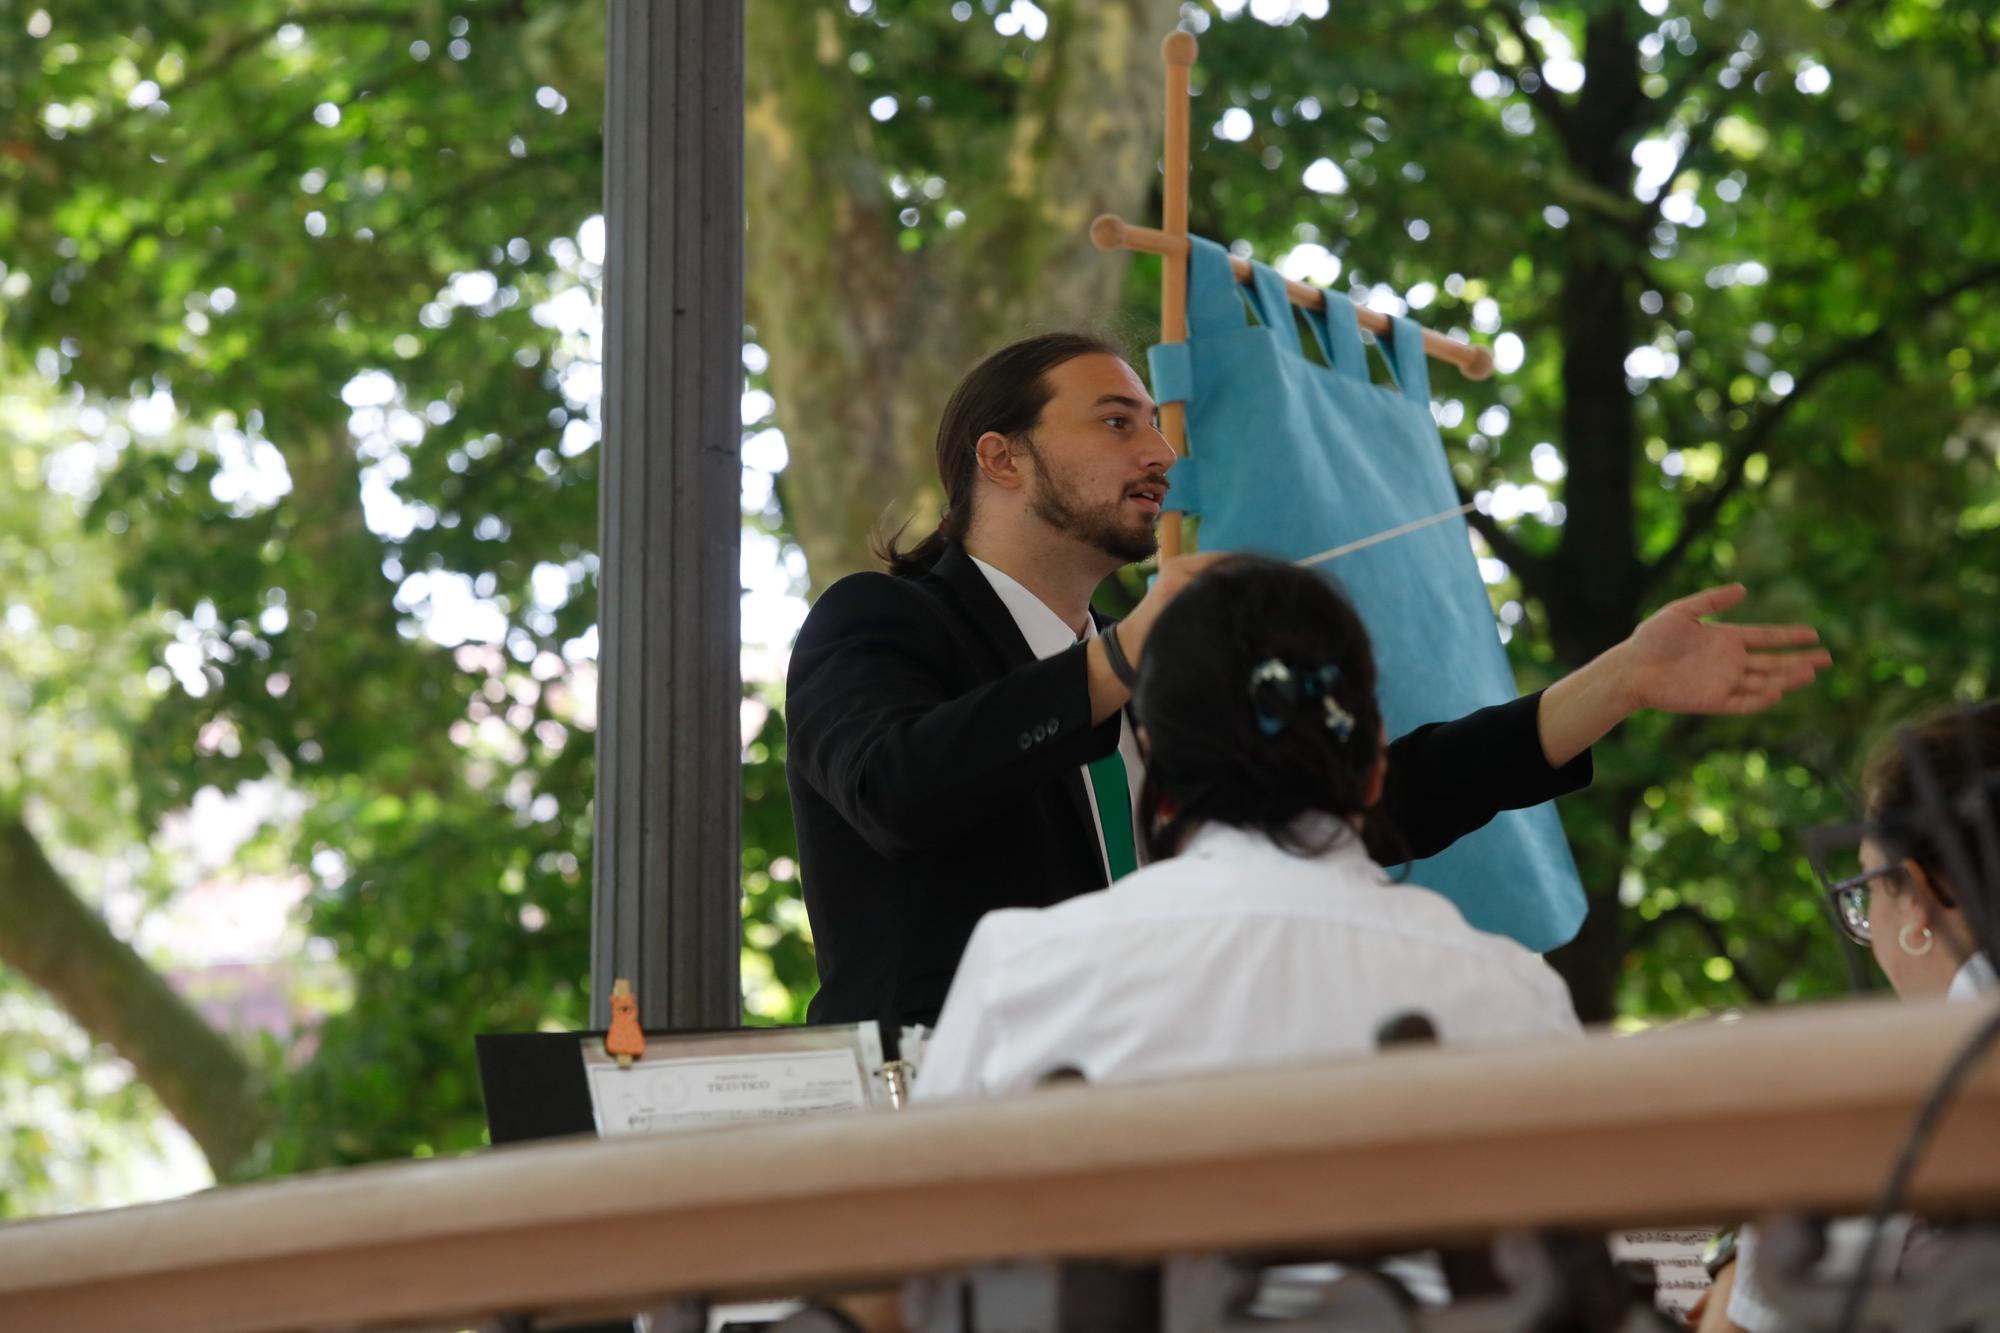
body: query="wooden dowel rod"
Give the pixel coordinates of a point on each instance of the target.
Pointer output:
(1178, 53)
(1111, 232)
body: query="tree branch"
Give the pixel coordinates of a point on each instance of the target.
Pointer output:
(235, 48)
(191, 175)
(56, 942)
(245, 42)
(1701, 139)
(1551, 106)
(1530, 568)
(1703, 510)
(1710, 930)
(1700, 65)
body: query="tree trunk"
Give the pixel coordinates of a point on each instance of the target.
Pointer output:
(1597, 574)
(1595, 579)
(866, 337)
(1591, 962)
(60, 945)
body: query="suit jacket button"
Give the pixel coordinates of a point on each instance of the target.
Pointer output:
(1053, 724)
(1041, 733)
(1026, 740)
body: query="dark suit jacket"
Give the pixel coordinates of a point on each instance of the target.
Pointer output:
(934, 768)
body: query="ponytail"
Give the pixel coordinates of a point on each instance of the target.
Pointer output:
(1005, 393)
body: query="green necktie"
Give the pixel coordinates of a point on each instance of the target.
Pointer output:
(1114, 812)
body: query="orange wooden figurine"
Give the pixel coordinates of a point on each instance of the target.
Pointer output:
(624, 1040)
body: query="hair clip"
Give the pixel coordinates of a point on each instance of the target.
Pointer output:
(1271, 671)
(1271, 686)
(1275, 691)
(1321, 683)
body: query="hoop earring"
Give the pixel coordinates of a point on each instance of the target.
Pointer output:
(1903, 938)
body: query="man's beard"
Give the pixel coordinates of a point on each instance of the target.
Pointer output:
(1104, 525)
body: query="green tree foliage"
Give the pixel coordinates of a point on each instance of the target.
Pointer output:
(309, 285)
(72, 663)
(306, 258)
(1739, 294)
(1753, 303)
(314, 270)
(778, 973)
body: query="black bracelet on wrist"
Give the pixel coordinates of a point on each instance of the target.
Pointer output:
(1114, 653)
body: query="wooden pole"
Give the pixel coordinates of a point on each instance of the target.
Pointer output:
(1178, 51)
(1111, 232)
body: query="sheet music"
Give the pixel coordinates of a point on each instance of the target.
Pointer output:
(689, 1083)
(1675, 1254)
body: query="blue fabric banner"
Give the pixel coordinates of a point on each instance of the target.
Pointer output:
(1294, 458)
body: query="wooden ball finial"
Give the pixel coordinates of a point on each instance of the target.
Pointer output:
(1107, 231)
(1479, 365)
(1180, 48)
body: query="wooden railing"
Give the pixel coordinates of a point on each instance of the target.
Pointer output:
(1796, 1109)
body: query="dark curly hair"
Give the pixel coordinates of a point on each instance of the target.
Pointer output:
(1219, 753)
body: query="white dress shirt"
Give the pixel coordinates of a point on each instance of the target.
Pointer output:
(1047, 635)
(1234, 952)
(1974, 979)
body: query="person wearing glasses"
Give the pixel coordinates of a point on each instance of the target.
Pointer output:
(1925, 903)
(1906, 906)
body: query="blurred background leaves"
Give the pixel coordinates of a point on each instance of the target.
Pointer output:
(298, 403)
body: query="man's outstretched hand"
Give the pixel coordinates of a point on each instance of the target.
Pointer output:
(1680, 662)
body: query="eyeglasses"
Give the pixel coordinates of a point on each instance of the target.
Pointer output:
(1835, 853)
(1850, 900)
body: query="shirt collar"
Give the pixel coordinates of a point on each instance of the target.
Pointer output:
(1227, 842)
(1974, 979)
(1045, 631)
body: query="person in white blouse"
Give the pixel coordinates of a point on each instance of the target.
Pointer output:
(1259, 930)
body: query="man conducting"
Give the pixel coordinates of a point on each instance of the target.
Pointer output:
(957, 734)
